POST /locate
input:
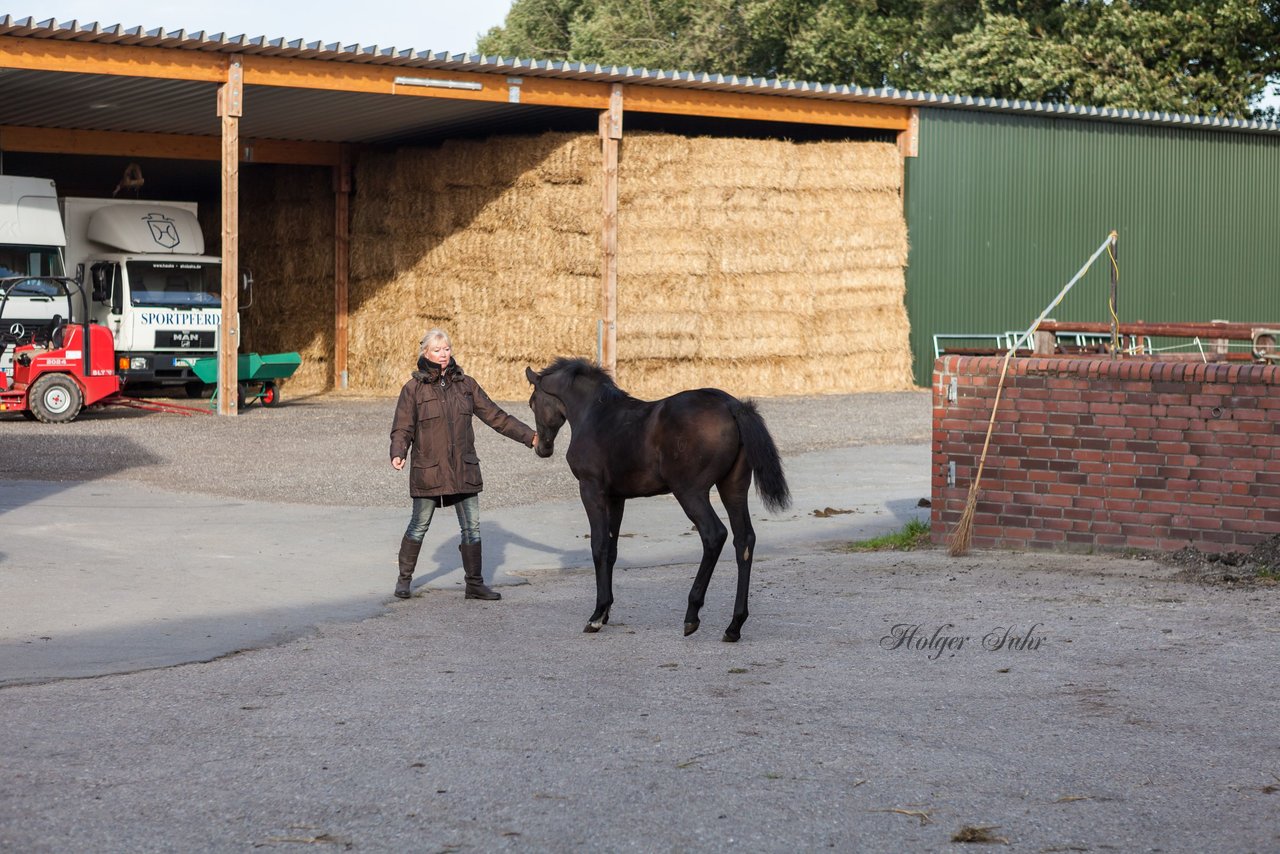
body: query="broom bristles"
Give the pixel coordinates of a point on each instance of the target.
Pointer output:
(963, 534)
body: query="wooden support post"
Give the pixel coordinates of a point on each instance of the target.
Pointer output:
(610, 134)
(909, 138)
(341, 263)
(230, 108)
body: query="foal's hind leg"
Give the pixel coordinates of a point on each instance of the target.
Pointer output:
(697, 506)
(734, 496)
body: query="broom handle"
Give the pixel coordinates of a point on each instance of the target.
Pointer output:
(1025, 337)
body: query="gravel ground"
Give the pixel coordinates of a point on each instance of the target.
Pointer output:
(1070, 703)
(332, 449)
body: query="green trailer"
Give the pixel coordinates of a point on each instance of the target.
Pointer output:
(259, 376)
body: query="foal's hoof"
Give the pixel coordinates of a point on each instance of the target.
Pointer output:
(690, 628)
(592, 628)
(730, 636)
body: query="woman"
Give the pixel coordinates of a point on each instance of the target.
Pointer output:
(433, 416)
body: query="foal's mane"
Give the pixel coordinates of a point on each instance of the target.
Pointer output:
(573, 368)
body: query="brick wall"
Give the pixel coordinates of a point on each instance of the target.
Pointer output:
(1108, 454)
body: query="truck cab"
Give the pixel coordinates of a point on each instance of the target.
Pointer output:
(149, 282)
(161, 313)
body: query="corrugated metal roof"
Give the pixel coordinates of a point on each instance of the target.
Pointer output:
(149, 105)
(373, 54)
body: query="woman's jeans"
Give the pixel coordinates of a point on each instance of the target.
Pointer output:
(425, 508)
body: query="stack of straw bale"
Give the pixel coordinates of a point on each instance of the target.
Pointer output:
(763, 267)
(496, 241)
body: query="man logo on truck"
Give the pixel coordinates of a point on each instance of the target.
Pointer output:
(163, 229)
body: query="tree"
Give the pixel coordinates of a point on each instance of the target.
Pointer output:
(1207, 57)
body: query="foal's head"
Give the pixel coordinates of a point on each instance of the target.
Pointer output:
(563, 386)
(548, 413)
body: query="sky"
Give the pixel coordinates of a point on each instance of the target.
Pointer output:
(426, 25)
(452, 26)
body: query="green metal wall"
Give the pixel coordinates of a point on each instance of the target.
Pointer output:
(1004, 209)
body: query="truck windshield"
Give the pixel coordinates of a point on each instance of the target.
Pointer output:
(175, 284)
(29, 261)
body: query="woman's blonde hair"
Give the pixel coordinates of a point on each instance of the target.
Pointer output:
(433, 335)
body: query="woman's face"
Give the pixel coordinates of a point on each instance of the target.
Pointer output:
(438, 352)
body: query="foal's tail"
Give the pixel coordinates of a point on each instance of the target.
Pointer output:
(762, 456)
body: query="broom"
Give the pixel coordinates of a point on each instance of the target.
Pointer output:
(963, 533)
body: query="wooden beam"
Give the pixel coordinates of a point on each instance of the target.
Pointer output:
(341, 264)
(291, 152)
(230, 108)
(381, 80)
(554, 92)
(113, 59)
(766, 107)
(610, 134)
(163, 145)
(67, 141)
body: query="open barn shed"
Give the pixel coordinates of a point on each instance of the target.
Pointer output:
(683, 229)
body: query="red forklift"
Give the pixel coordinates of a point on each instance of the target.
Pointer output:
(61, 367)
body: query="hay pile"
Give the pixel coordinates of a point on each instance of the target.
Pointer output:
(759, 266)
(762, 267)
(286, 241)
(496, 241)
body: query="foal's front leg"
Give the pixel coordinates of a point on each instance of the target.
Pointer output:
(605, 516)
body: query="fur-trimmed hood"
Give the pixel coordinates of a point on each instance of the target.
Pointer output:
(429, 372)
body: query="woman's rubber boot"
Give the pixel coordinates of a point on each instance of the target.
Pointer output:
(476, 588)
(408, 561)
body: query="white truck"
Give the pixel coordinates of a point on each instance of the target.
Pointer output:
(143, 264)
(31, 245)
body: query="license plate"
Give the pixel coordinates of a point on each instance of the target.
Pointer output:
(182, 339)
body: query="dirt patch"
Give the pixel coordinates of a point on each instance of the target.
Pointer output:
(1258, 567)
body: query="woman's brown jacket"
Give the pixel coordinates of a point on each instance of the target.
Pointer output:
(434, 418)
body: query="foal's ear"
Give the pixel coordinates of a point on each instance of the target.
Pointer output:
(530, 375)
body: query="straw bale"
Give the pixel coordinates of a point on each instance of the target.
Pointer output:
(371, 172)
(371, 258)
(671, 293)
(638, 261)
(551, 158)
(513, 250)
(570, 160)
(823, 214)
